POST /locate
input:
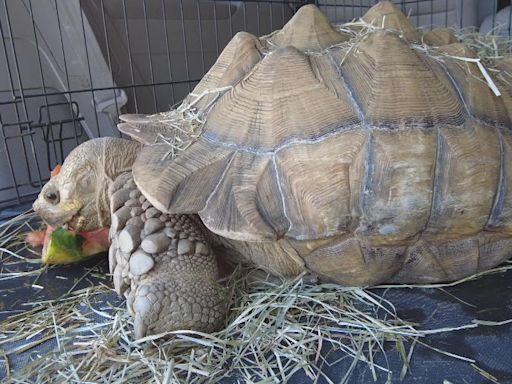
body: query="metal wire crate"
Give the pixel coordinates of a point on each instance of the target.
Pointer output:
(70, 67)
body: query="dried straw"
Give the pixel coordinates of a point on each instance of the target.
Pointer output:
(273, 330)
(183, 125)
(488, 47)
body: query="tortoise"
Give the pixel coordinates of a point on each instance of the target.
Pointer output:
(358, 155)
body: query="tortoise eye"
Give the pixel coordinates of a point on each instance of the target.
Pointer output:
(52, 197)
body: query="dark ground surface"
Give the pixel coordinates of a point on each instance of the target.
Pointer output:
(486, 298)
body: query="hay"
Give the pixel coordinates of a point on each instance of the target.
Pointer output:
(13, 249)
(488, 47)
(182, 125)
(273, 330)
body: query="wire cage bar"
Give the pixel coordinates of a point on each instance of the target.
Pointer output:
(70, 67)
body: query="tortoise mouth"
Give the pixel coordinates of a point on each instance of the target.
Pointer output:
(75, 223)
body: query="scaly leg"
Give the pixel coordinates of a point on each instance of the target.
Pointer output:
(163, 265)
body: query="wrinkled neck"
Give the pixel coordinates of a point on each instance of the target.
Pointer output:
(117, 157)
(103, 202)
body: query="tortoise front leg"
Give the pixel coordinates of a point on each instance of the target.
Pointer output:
(163, 265)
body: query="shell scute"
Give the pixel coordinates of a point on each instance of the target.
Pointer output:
(308, 29)
(376, 141)
(280, 101)
(387, 16)
(395, 87)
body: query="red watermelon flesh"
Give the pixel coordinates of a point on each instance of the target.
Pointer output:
(62, 246)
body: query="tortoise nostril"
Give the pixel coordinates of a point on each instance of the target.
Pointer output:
(52, 197)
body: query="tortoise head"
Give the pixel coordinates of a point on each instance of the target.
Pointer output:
(78, 194)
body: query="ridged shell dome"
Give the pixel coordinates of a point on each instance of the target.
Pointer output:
(324, 133)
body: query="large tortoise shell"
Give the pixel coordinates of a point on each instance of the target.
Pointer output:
(369, 133)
